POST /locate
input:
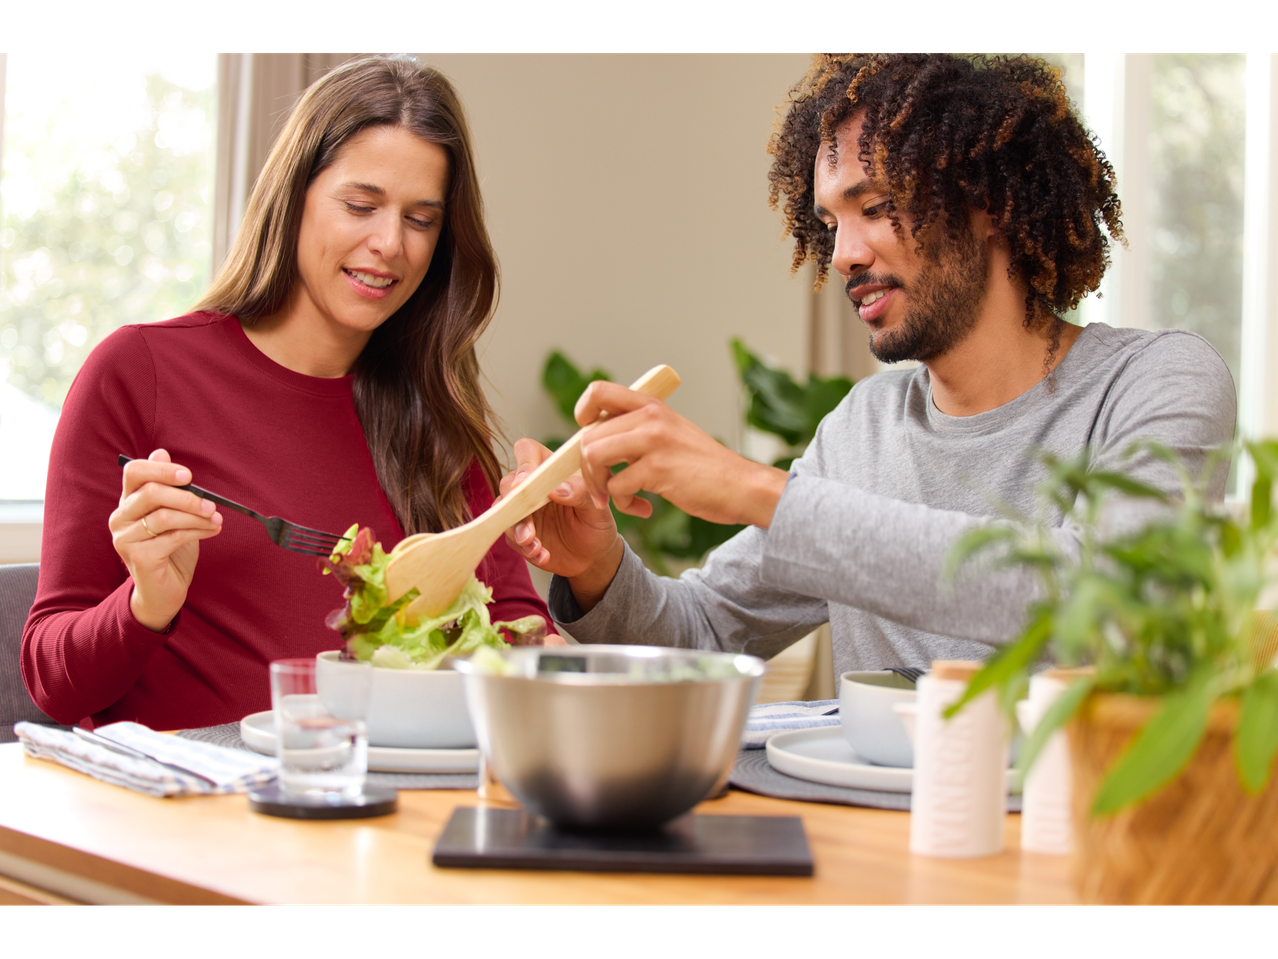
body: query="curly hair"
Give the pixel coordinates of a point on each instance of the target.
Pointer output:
(949, 134)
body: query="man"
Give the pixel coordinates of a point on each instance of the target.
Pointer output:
(964, 207)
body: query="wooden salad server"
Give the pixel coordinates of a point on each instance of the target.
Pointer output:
(440, 564)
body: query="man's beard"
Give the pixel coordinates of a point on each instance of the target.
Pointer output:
(945, 298)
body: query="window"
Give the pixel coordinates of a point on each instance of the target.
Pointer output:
(1176, 127)
(106, 192)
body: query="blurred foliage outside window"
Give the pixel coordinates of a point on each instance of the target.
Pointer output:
(106, 192)
(1197, 144)
(775, 404)
(1194, 182)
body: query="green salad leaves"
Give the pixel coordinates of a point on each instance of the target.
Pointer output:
(375, 630)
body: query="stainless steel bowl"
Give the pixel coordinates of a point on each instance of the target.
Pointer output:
(611, 737)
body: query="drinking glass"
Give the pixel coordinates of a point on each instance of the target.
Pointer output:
(321, 740)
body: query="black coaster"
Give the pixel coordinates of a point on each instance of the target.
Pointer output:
(487, 838)
(374, 801)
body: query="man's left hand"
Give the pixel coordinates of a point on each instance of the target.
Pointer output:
(668, 455)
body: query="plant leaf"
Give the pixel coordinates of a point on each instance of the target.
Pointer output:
(822, 395)
(1257, 739)
(565, 383)
(1125, 484)
(975, 541)
(782, 406)
(777, 402)
(1159, 751)
(1054, 717)
(1262, 494)
(1265, 455)
(1011, 660)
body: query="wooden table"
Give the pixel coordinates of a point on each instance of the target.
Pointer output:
(65, 836)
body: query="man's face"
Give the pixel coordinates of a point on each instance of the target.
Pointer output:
(917, 307)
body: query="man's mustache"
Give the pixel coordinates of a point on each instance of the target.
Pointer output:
(866, 278)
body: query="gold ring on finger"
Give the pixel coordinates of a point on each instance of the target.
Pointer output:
(151, 532)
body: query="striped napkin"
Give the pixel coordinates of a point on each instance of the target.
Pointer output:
(232, 770)
(769, 719)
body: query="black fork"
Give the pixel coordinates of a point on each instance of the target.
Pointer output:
(912, 673)
(300, 539)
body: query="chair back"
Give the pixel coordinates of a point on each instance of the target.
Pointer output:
(17, 593)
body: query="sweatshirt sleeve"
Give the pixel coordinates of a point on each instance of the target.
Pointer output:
(724, 607)
(503, 570)
(81, 647)
(821, 528)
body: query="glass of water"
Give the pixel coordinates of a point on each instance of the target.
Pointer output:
(321, 741)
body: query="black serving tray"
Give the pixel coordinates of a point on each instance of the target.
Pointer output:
(489, 838)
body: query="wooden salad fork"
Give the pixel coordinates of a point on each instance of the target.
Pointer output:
(300, 539)
(439, 565)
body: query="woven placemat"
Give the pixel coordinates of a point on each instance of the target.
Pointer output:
(229, 735)
(755, 774)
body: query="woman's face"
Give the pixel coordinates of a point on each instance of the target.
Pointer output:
(369, 229)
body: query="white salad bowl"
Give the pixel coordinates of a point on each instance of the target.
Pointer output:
(408, 708)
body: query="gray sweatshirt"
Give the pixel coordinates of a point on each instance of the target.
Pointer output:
(887, 487)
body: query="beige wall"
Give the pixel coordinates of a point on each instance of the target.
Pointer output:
(627, 199)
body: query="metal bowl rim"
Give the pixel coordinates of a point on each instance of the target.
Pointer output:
(757, 666)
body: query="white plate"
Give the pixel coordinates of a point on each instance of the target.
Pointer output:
(258, 732)
(823, 756)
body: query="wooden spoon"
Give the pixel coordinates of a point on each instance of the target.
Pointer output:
(440, 564)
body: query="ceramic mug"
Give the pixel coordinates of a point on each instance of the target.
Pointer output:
(872, 729)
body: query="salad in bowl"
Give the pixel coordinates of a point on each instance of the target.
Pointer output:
(414, 702)
(379, 632)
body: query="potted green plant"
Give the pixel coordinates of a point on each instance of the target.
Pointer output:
(1173, 720)
(777, 404)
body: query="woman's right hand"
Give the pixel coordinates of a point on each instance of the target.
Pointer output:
(157, 530)
(570, 536)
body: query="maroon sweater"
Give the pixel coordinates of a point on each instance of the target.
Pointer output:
(283, 443)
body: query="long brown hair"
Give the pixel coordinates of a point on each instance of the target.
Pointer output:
(416, 383)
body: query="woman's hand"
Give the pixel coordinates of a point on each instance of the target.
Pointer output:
(668, 455)
(156, 530)
(570, 536)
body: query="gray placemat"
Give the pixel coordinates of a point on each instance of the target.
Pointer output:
(755, 774)
(229, 735)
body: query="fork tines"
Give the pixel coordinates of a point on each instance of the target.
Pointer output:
(912, 673)
(314, 542)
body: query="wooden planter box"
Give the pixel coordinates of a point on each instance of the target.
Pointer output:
(1201, 840)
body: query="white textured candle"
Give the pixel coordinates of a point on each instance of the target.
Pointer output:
(960, 770)
(1047, 816)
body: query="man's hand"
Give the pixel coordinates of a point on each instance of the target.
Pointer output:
(668, 455)
(157, 531)
(570, 536)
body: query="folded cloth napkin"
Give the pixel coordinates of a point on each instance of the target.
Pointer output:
(231, 770)
(768, 719)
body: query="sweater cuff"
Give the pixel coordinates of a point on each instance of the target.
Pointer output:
(137, 642)
(563, 604)
(130, 628)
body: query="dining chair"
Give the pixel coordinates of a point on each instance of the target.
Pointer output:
(17, 593)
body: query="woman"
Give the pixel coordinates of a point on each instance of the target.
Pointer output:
(329, 376)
